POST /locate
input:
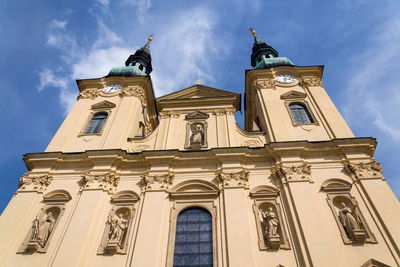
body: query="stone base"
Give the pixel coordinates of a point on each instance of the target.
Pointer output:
(359, 236)
(34, 246)
(274, 242)
(112, 248)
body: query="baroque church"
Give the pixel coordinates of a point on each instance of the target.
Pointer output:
(134, 180)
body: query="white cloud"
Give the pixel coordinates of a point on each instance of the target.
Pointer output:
(142, 7)
(58, 24)
(184, 50)
(49, 79)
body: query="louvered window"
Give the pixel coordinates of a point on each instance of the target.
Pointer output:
(96, 123)
(300, 114)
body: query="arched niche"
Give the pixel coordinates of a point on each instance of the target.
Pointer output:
(119, 223)
(267, 201)
(194, 188)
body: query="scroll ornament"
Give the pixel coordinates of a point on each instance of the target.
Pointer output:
(89, 93)
(137, 92)
(232, 180)
(34, 183)
(267, 83)
(157, 182)
(365, 170)
(300, 173)
(313, 82)
(107, 182)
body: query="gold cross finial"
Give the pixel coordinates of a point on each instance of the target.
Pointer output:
(253, 31)
(198, 82)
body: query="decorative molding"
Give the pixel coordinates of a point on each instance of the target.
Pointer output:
(374, 263)
(233, 180)
(135, 91)
(34, 183)
(169, 114)
(140, 148)
(89, 93)
(252, 143)
(300, 173)
(197, 115)
(227, 111)
(293, 95)
(313, 82)
(103, 105)
(157, 182)
(364, 170)
(264, 84)
(107, 182)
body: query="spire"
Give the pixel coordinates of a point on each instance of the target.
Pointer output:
(265, 56)
(138, 64)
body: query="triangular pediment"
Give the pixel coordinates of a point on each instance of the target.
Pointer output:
(293, 95)
(103, 105)
(196, 92)
(197, 115)
(374, 263)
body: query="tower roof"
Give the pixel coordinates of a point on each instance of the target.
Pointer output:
(265, 56)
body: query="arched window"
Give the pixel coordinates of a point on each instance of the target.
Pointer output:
(96, 123)
(193, 242)
(300, 114)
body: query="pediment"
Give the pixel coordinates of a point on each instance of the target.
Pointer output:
(293, 95)
(197, 91)
(335, 185)
(197, 115)
(103, 105)
(374, 263)
(264, 191)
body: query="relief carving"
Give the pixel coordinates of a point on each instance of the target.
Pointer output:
(300, 173)
(135, 91)
(107, 182)
(252, 143)
(140, 148)
(157, 182)
(89, 93)
(34, 183)
(313, 82)
(233, 180)
(364, 170)
(169, 114)
(264, 84)
(351, 223)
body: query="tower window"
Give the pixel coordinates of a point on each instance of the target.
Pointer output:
(300, 114)
(96, 123)
(193, 242)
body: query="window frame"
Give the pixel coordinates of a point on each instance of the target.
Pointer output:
(90, 117)
(308, 110)
(177, 209)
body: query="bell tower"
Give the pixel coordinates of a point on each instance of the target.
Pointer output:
(111, 110)
(289, 102)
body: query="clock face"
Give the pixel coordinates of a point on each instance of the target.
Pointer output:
(112, 88)
(285, 78)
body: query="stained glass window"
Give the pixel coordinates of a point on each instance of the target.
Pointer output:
(300, 114)
(193, 241)
(96, 123)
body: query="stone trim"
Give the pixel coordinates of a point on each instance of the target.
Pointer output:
(156, 182)
(233, 180)
(34, 183)
(107, 182)
(300, 173)
(364, 170)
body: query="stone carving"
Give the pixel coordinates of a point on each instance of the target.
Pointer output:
(42, 228)
(107, 182)
(231, 180)
(157, 182)
(351, 223)
(197, 135)
(34, 183)
(228, 111)
(365, 170)
(139, 148)
(135, 91)
(169, 114)
(267, 83)
(89, 93)
(271, 225)
(252, 143)
(313, 82)
(300, 173)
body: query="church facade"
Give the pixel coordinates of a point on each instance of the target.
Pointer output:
(134, 180)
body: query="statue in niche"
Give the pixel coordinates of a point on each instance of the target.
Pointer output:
(118, 227)
(271, 224)
(348, 220)
(42, 228)
(197, 136)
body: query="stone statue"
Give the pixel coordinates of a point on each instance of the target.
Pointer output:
(118, 227)
(42, 228)
(271, 223)
(347, 219)
(197, 137)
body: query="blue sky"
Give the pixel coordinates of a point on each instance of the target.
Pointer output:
(45, 45)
